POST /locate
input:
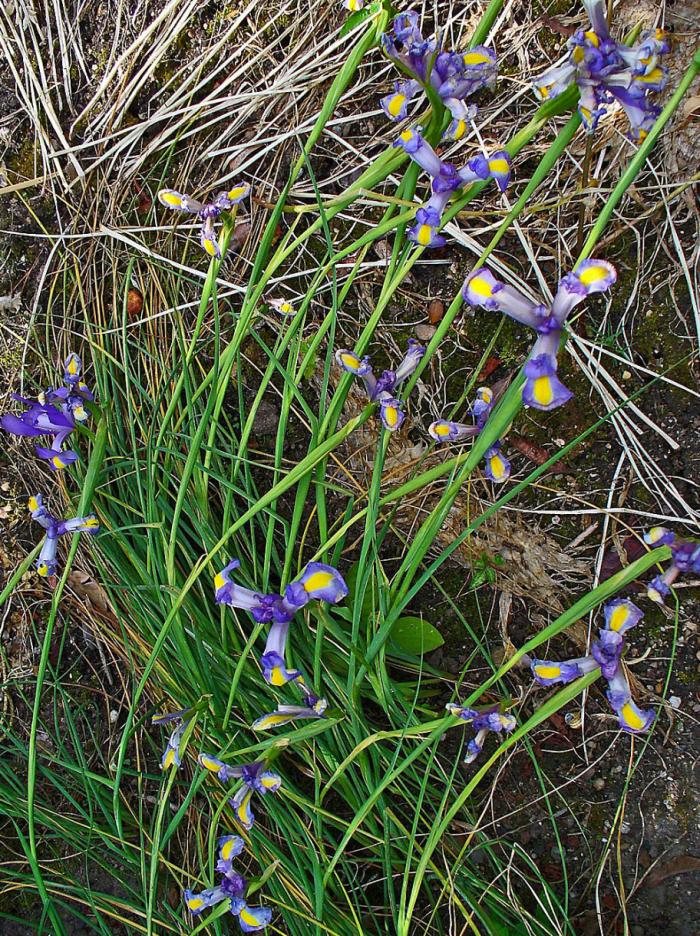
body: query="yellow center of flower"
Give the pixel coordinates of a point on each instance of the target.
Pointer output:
(317, 581)
(237, 192)
(33, 504)
(219, 581)
(395, 104)
(442, 429)
(194, 903)
(631, 717)
(56, 462)
(350, 360)
(407, 135)
(210, 246)
(618, 617)
(542, 391)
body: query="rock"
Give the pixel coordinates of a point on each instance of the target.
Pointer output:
(425, 332)
(599, 784)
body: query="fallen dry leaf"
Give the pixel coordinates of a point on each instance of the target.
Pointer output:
(681, 864)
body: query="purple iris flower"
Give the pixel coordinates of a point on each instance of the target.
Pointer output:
(482, 721)
(256, 779)
(381, 389)
(208, 213)
(233, 887)
(606, 70)
(606, 652)
(497, 467)
(454, 76)
(263, 607)
(543, 389)
(180, 720)
(446, 179)
(46, 563)
(685, 557)
(54, 413)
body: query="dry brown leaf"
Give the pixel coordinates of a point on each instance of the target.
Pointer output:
(85, 586)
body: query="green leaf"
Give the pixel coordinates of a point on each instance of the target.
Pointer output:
(358, 16)
(414, 636)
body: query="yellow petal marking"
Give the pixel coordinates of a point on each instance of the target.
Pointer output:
(592, 38)
(498, 165)
(475, 58)
(592, 274)
(407, 135)
(194, 903)
(227, 849)
(350, 360)
(631, 717)
(425, 234)
(542, 391)
(272, 721)
(547, 672)
(57, 463)
(33, 503)
(43, 569)
(237, 192)
(219, 581)
(390, 415)
(277, 677)
(171, 198)
(247, 917)
(317, 580)
(442, 429)
(481, 287)
(498, 469)
(169, 759)
(209, 764)
(210, 247)
(618, 618)
(395, 104)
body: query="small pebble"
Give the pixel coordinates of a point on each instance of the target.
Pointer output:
(674, 702)
(598, 783)
(425, 332)
(627, 375)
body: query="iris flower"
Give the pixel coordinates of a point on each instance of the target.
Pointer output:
(382, 389)
(54, 413)
(621, 614)
(256, 779)
(685, 557)
(482, 721)
(46, 563)
(208, 213)
(497, 466)
(542, 390)
(454, 76)
(606, 70)
(446, 179)
(233, 887)
(180, 720)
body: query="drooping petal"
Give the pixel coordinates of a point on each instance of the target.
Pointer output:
(17, 426)
(481, 288)
(391, 414)
(621, 614)
(395, 105)
(444, 430)
(500, 167)
(89, 524)
(57, 460)
(497, 467)
(461, 711)
(172, 199)
(230, 847)
(234, 195)
(554, 81)
(290, 713)
(46, 560)
(547, 672)
(252, 919)
(659, 536)
(282, 306)
(318, 582)
(196, 903)
(242, 808)
(590, 276)
(631, 718)
(658, 589)
(208, 238)
(268, 782)
(542, 389)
